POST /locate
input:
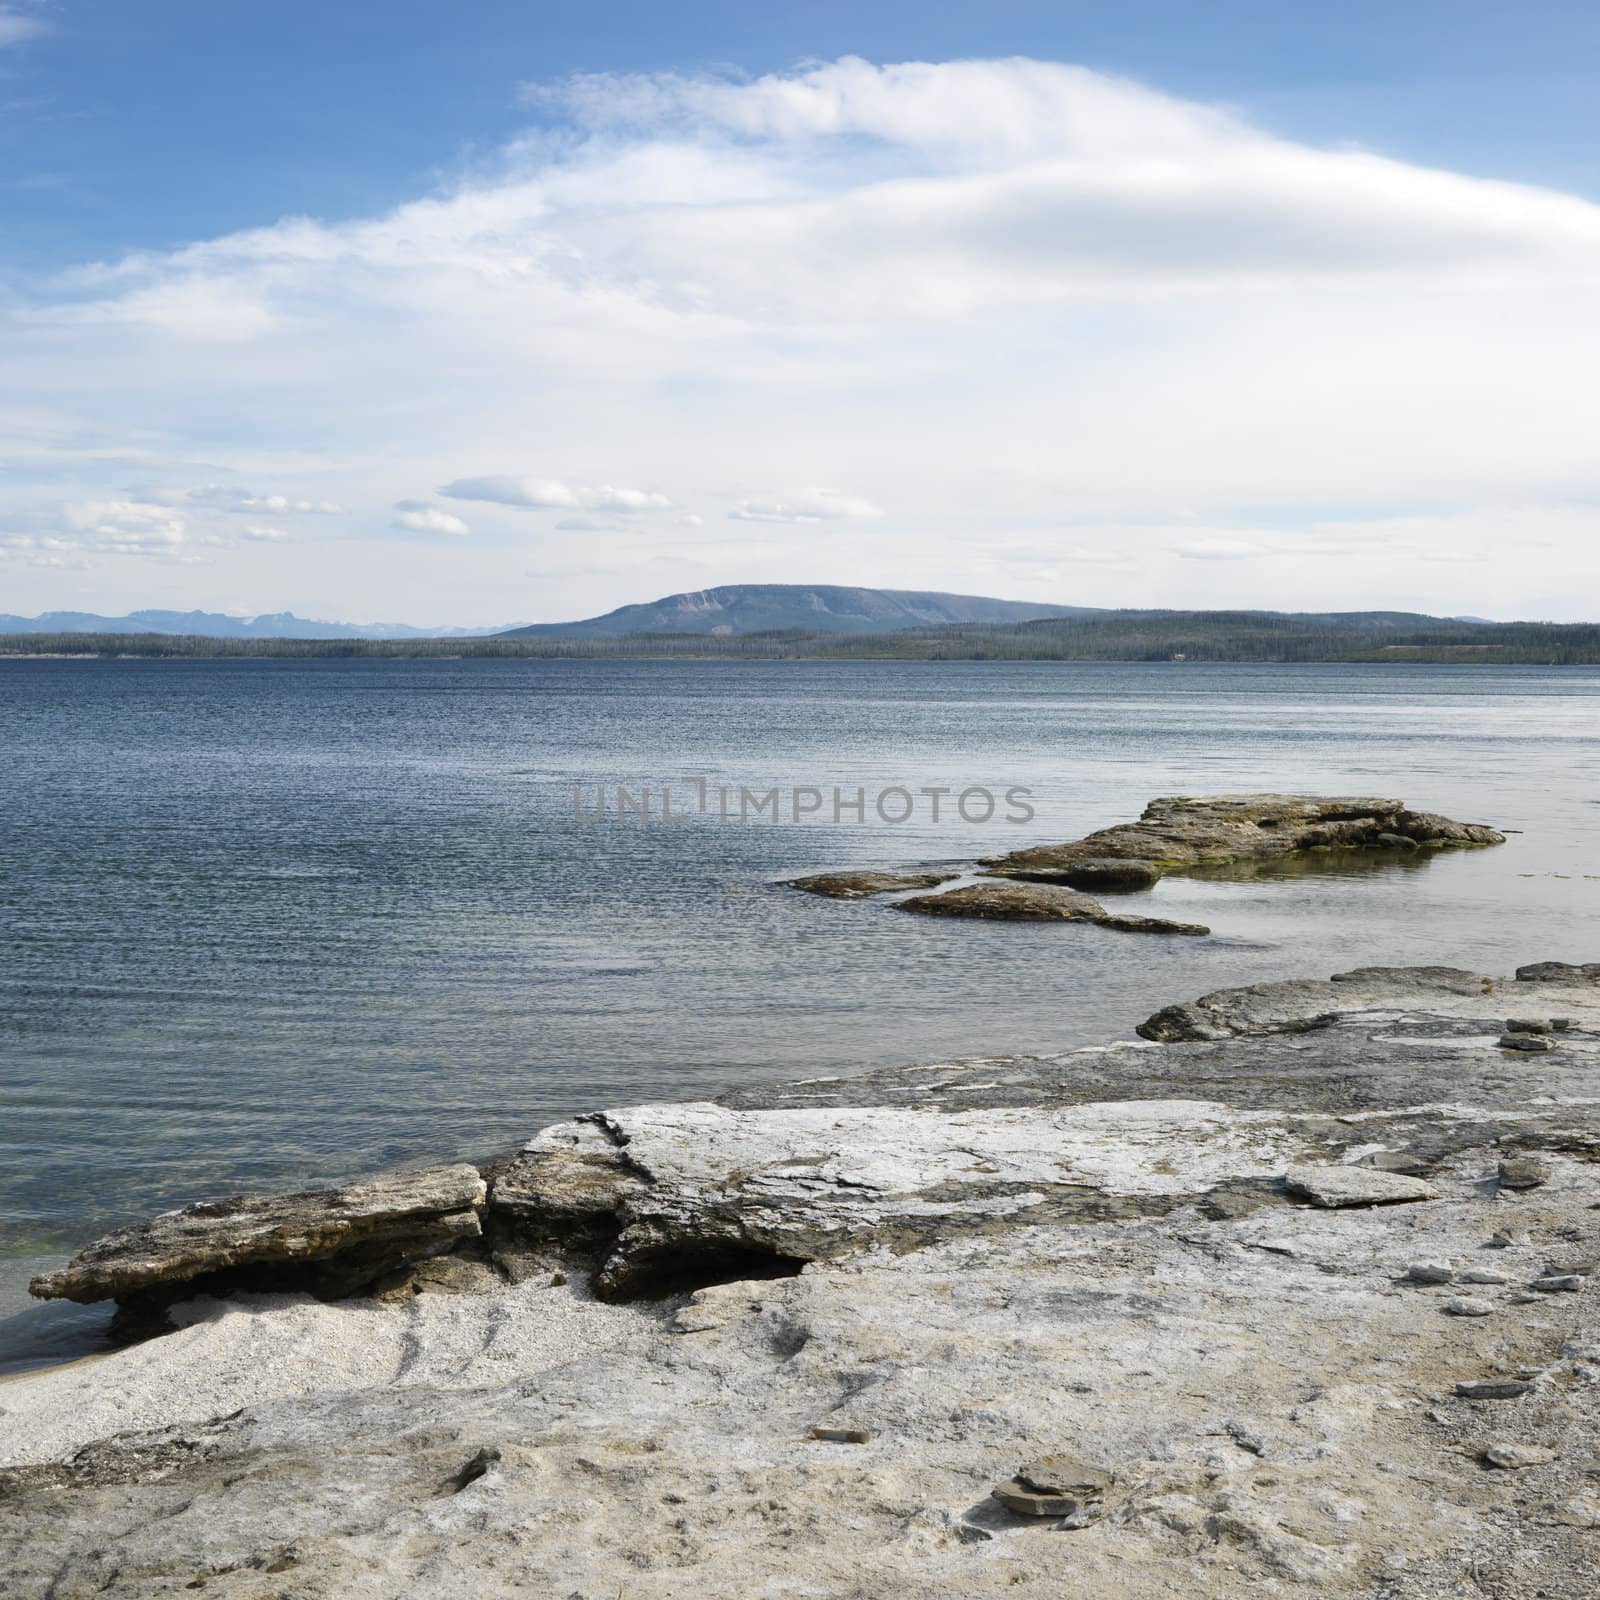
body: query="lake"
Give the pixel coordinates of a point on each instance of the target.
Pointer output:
(269, 922)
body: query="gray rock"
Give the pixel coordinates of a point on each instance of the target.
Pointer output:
(1527, 1025)
(1103, 875)
(1466, 1306)
(1006, 1251)
(856, 885)
(1485, 1275)
(1563, 1283)
(834, 1435)
(1523, 1172)
(1056, 1486)
(1430, 1272)
(1559, 972)
(1494, 1389)
(1306, 1006)
(1355, 1186)
(330, 1241)
(1008, 901)
(1507, 1239)
(1527, 1043)
(1514, 1457)
(1581, 1266)
(1398, 1161)
(1189, 831)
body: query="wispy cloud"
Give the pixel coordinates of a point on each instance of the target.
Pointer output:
(808, 505)
(548, 494)
(417, 516)
(16, 26)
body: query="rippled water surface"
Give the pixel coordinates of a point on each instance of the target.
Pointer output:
(267, 922)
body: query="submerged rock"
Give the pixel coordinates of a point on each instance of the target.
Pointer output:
(1035, 902)
(1104, 874)
(334, 1241)
(857, 885)
(1215, 830)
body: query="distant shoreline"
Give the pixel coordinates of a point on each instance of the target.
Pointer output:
(1184, 640)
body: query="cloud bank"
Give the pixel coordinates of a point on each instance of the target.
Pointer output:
(1042, 331)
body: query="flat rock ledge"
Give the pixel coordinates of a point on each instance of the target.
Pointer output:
(1184, 831)
(1145, 1318)
(858, 885)
(1035, 902)
(333, 1241)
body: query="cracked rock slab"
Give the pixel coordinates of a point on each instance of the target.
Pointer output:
(370, 1226)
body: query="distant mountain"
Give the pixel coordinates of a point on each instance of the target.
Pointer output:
(214, 625)
(759, 607)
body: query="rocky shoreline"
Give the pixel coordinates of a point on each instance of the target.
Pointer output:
(1295, 1291)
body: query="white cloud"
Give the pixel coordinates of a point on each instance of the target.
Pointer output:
(14, 27)
(126, 527)
(225, 497)
(549, 494)
(591, 525)
(268, 535)
(1220, 550)
(417, 516)
(1013, 302)
(808, 505)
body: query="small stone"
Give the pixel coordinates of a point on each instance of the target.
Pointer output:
(1561, 1024)
(1482, 1275)
(1063, 1474)
(1081, 1518)
(1056, 1486)
(1515, 1456)
(842, 1435)
(1465, 1306)
(1494, 1389)
(1507, 1238)
(1430, 1272)
(1355, 1186)
(1016, 1496)
(1397, 1161)
(1523, 1172)
(697, 1319)
(1528, 1043)
(1526, 1025)
(1563, 1283)
(1570, 1266)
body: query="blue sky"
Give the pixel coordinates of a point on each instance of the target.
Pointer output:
(581, 256)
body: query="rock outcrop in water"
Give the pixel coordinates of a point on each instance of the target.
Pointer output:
(1301, 1302)
(1173, 835)
(1215, 830)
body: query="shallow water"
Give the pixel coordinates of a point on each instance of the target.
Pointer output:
(269, 922)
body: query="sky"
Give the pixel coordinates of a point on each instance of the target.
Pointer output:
(506, 312)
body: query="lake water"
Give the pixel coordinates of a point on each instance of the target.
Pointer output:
(271, 922)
